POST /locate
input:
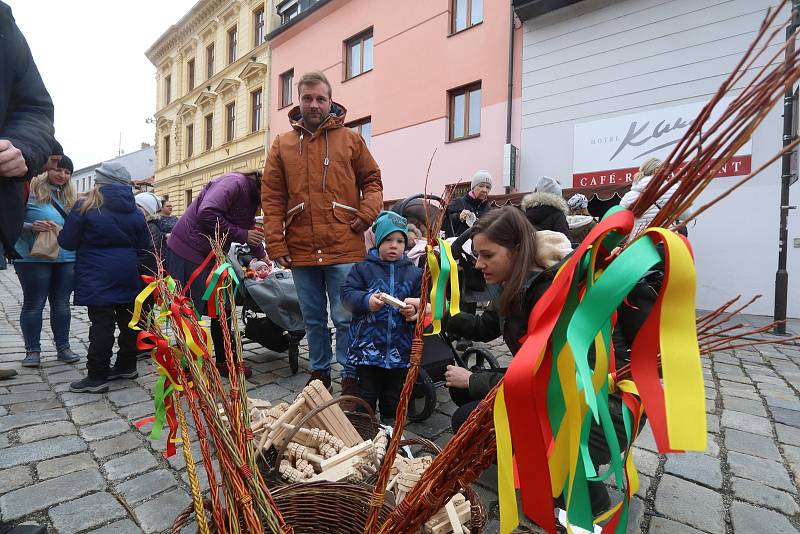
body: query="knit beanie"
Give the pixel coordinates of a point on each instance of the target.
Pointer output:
(255, 264)
(65, 163)
(149, 202)
(577, 202)
(112, 173)
(480, 177)
(387, 223)
(545, 184)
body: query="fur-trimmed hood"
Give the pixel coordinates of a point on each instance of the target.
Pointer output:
(532, 200)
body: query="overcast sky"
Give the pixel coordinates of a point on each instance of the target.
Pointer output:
(91, 56)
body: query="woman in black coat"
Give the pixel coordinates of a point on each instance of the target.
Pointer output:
(545, 208)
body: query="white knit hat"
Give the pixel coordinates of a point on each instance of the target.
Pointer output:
(480, 177)
(149, 203)
(545, 184)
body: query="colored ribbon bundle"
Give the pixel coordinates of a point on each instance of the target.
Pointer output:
(551, 395)
(444, 276)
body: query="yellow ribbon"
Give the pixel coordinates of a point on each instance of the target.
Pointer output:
(682, 372)
(506, 491)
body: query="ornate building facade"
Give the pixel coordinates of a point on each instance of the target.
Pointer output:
(212, 94)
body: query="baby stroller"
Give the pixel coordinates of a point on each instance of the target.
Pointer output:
(438, 351)
(270, 308)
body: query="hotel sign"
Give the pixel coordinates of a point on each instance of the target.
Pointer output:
(610, 151)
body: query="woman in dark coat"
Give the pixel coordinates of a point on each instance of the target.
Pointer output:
(109, 235)
(545, 208)
(229, 202)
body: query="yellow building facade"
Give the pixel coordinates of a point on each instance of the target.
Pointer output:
(212, 95)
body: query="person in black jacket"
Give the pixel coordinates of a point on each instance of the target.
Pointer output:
(461, 215)
(463, 211)
(519, 264)
(26, 127)
(545, 208)
(26, 131)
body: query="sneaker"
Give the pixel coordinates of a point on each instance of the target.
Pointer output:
(31, 359)
(89, 385)
(115, 374)
(322, 376)
(7, 373)
(223, 370)
(67, 356)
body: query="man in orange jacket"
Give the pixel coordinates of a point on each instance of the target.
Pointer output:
(321, 190)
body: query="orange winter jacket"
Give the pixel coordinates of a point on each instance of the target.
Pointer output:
(315, 184)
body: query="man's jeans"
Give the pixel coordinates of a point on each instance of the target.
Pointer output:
(43, 281)
(312, 284)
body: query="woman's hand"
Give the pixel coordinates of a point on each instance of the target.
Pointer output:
(457, 377)
(464, 214)
(43, 226)
(255, 237)
(375, 302)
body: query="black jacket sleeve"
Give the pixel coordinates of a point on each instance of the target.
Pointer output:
(484, 327)
(26, 109)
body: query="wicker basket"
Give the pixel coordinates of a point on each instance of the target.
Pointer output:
(365, 423)
(312, 508)
(478, 512)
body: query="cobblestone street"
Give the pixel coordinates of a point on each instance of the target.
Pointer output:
(77, 463)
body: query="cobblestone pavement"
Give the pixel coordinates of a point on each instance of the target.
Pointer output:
(77, 463)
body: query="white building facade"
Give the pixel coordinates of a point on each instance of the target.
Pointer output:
(607, 84)
(141, 165)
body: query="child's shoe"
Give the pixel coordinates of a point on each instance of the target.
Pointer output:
(89, 385)
(116, 373)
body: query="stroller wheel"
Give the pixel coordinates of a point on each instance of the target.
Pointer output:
(294, 357)
(477, 359)
(423, 398)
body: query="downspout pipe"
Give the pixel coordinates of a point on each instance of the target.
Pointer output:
(510, 72)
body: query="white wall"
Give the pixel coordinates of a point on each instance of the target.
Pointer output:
(602, 58)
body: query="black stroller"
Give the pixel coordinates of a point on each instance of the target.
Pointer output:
(270, 308)
(438, 351)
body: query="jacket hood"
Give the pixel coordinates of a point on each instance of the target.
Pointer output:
(118, 198)
(551, 248)
(532, 200)
(334, 120)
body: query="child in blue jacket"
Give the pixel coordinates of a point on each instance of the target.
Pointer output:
(110, 236)
(381, 334)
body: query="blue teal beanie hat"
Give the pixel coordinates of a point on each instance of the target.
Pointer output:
(387, 223)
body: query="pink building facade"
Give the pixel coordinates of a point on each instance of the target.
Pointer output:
(415, 76)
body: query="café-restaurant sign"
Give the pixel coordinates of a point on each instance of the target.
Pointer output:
(610, 151)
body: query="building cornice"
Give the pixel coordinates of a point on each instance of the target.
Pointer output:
(186, 27)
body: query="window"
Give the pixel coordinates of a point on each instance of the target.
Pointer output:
(210, 60)
(189, 140)
(258, 26)
(190, 74)
(255, 110)
(364, 128)
(167, 89)
(288, 13)
(232, 45)
(209, 131)
(187, 197)
(166, 150)
(465, 112)
(465, 14)
(230, 121)
(359, 54)
(287, 80)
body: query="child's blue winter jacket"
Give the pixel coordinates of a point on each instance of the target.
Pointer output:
(381, 338)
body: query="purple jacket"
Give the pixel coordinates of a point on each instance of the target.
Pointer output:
(231, 200)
